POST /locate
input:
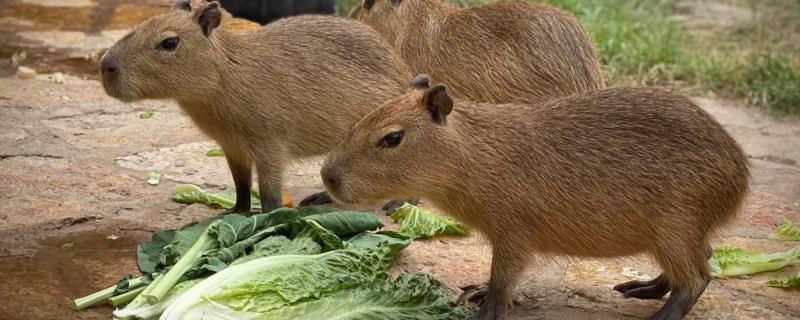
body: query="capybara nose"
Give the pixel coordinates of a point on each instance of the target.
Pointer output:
(331, 177)
(109, 66)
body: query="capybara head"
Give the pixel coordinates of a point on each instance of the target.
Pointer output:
(396, 151)
(166, 56)
(386, 16)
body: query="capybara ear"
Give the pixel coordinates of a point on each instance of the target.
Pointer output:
(209, 17)
(396, 2)
(368, 4)
(185, 5)
(422, 81)
(438, 103)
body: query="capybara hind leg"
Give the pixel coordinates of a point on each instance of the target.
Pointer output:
(507, 265)
(685, 265)
(651, 289)
(679, 304)
(316, 199)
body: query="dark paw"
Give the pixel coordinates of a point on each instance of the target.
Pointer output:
(235, 210)
(491, 310)
(392, 205)
(475, 293)
(316, 199)
(652, 289)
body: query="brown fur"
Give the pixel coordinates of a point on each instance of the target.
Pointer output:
(607, 173)
(286, 91)
(508, 51)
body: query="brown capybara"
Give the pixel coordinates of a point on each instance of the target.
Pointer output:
(607, 173)
(507, 51)
(279, 93)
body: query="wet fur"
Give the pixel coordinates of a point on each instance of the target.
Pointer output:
(283, 92)
(508, 51)
(607, 173)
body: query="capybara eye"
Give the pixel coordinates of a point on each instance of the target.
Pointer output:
(169, 44)
(368, 4)
(391, 140)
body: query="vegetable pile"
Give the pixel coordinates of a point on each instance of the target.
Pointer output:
(292, 263)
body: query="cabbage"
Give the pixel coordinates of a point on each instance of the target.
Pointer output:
(249, 289)
(409, 297)
(793, 283)
(786, 231)
(735, 261)
(417, 222)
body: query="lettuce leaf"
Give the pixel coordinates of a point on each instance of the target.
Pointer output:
(191, 194)
(260, 285)
(413, 296)
(793, 283)
(417, 222)
(735, 261)
(197, 251)
(786, 232)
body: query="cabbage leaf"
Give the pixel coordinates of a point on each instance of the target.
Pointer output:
(735, 261)
(786, 232)
(417, 222)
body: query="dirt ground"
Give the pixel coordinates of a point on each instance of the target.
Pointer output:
(75, 202)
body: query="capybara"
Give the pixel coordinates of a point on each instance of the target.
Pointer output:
(286, 91)
(606, 173)
(500, 52)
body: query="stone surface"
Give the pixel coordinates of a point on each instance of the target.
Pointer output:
(74, 163)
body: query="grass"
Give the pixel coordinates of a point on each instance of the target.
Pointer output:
(639, 43)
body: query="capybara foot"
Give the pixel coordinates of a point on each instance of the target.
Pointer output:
(473, 293)
(679, 304)
(493, 308)
(316, 199)
(392, 205)
(655, 288)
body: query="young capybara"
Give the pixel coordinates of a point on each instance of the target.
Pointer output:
(607, 173)
(502, 52)
(282, 92)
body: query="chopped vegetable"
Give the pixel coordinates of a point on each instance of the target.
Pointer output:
(57, 77)
(258, 286)
(418, 222)
(786, 231)
(147, 114)
(153, 178)
(793, 283)
(215, 153)
(292, 263)
(26, 73)
(409, 297)
(190, 194)
(735, 261)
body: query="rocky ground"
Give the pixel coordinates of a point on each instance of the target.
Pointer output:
(75, 202)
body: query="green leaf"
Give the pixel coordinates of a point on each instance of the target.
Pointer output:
(735, 261)
(140, 309)
(786, 232)
(215, 153)
(264, 284)
(148, 252)
(153, 178)
(413, 296)
(191, 194)
(418, 222)
(793, 283)
(147, 114)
